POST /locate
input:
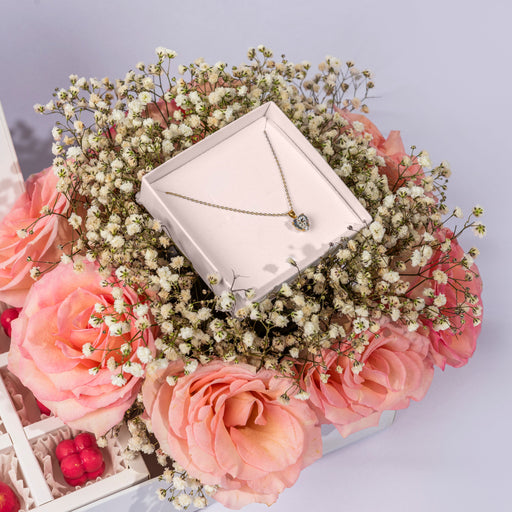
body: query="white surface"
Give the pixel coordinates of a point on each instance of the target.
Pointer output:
(442, 73)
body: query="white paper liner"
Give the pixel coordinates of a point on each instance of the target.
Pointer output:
(22, 398)
(2, 427)
(44, 449)
(10, 473)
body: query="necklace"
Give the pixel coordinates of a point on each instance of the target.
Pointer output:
(300, 222)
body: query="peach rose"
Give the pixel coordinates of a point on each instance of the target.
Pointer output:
(391, 149)
(452, 347)
(51, 356)
(48, 233)
(226, 425)
(396, 368)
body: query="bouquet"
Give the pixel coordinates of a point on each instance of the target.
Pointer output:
(110, 322)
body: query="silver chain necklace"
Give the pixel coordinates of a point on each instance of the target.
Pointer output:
(300, 222)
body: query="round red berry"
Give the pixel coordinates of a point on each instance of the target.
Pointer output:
(8, 500)
(7, 317)
(95, 474)
(71, 466)
(85, 440)
(91, 459)
(77, 481)
(65, 448)
(43, 408)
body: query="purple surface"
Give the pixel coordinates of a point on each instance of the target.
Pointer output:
(442, 71)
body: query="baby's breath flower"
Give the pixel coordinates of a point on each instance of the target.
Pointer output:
(310, 329)
(458, 213)
(199, 502)
(391, 276)
(377, 230)
(360, 324)
(126, 349)
(248, 339)
(191, 366)
(171, 380)
(424, 159)
(186, 333)
(87, 349)
(302, 395)
(227, 301)
(478, 211)
(357, 366)
(213, 279)
(440, 276)
(118, 380)
(479, 229)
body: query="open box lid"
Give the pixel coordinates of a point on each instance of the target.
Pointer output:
(235, 167)
(11, 187)
(11, 179)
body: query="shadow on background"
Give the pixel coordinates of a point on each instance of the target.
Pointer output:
(34, 153)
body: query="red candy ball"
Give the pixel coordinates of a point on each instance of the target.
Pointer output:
(77, 481)
(71, 466)
(64, 449)
(43, 408)
(8, 500)
(7, 317)
(85, 440)
(91, 458)
(95, 474)
(80, 459)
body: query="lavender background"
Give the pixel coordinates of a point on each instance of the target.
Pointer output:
(442, 73)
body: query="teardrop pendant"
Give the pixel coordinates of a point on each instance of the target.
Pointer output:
(301, 222)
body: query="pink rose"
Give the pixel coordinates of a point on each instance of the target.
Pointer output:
(226, 425)
(396, 368)
(48, 354)
(48, 233)
(452, 347)
(391, 149)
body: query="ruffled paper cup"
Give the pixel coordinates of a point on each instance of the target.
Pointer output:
(22, 398)
(44, 450)
(10, 473)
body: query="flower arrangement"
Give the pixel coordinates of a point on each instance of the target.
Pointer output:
(115, 325)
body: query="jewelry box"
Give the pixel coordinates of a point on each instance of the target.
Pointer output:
(225, 203)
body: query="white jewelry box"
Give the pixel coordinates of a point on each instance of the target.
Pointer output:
(131, 484)
(234, 167)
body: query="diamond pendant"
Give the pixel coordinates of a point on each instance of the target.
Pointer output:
(301, 222)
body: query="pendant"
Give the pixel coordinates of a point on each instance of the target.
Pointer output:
(301, 222)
